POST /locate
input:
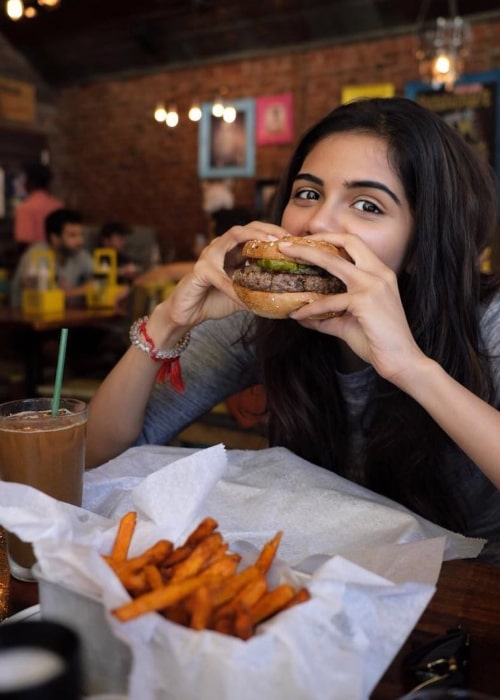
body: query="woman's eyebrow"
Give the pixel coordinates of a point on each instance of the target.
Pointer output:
(310, 178)
(354, 184)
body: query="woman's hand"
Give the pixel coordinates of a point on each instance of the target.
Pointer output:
(374, 324)
(207, 291)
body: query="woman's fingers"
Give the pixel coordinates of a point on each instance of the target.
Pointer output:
(366, 277)
(369, 316)
(361, 255)
(219, 259)
(331, 306)
(207, 292)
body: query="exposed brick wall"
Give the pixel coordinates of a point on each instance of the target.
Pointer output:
(114, 161)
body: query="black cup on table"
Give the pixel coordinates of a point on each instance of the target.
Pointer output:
(39, 660)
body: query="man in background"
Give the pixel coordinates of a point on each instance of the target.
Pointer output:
(73, 264)
(30, 215)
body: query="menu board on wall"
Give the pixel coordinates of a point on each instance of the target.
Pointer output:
(17, 101)
(354, 92)
(472, 107)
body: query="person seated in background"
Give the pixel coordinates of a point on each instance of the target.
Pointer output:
(30, 215)
(113, 234)
(73, 263)
(223, 212)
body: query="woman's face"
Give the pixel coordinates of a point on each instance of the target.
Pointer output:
(346, 185)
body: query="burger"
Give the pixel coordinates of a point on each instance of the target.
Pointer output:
(272, 285)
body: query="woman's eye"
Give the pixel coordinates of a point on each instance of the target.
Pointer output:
(306, 194)
(367, 206)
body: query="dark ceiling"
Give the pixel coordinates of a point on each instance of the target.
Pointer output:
(91, 39)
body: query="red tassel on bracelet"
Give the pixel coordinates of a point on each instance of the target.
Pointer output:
(170, 368)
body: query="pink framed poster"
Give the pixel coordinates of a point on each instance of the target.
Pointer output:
(274, 123)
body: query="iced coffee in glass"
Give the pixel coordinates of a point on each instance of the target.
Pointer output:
(43, 451)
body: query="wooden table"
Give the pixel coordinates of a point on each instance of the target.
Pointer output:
(468, 594)
(32, 328)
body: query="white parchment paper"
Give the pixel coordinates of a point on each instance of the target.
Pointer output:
(370, 565)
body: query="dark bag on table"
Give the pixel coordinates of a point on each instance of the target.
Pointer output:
(440, 663)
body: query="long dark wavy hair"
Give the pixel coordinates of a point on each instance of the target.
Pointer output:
(452, 196)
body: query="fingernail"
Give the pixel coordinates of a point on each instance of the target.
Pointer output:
(270, 237)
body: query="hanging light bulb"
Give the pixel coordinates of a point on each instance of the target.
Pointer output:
(442, 64)
(218, 107)
(194, 113)
(160, 113)
(49, 3)
(30, 11)
(172, 118)
(14, 9)
(442, 50)
(229, 114)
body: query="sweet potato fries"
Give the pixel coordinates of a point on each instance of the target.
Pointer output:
(197, 584)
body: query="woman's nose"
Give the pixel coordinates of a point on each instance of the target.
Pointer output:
(324, 218)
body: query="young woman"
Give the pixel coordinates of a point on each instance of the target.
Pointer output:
(400, 393)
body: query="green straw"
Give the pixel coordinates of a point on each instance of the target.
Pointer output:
(56, 399)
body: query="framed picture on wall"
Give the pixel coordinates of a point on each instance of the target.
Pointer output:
(472, 108)
(227, 149)
(274, 119)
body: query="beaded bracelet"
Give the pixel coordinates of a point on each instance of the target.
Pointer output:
(170, 366)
